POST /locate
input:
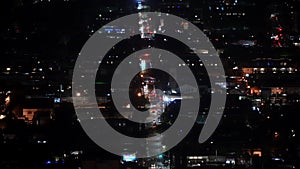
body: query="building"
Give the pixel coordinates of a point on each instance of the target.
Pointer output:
(38, 111)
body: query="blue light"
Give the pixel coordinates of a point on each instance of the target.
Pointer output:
(108, 30)
(160, 156)
(48, 162)
(129, 157)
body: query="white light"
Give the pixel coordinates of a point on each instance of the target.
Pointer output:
(2, 116)
(165, 98)
(7, 100)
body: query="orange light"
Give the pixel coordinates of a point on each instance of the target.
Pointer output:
(257, 153)
(7, 100)
(276, 135)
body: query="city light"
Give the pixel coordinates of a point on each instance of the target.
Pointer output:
(258, 44)
(129, 157)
